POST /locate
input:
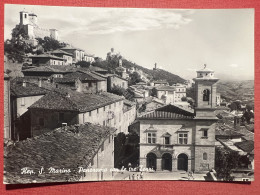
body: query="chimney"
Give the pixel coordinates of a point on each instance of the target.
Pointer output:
(24, 83)
(39, 82)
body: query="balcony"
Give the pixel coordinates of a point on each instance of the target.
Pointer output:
(164, 147)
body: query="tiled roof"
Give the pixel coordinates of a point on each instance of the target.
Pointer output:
(75, 101)
(164, 115)
(165, 88)
(59, 51)
(18, 90)
(227, 133)
(71, 47)
(43, 69)
(246, 146)
(129, 103)
(83, 76)
(47, 56)
(61, 148)
(160, 82)
(95, 68)
(169, 112)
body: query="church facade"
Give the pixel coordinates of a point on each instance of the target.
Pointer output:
(172, 138)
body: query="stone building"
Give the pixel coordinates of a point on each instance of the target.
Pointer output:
(47, 60)
(115, 80)
(129, 116)
(7, 108)
(83, 81)
(92, 145)
(166, 93)
(63, 54)
(22, 95)
(63, 106)
(172, 138)
(180, 91)
(78, 54)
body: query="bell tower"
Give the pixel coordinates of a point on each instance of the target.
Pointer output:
(205, 120)
(206, 92)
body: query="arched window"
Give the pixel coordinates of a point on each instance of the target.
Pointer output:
(205, 156)
(206, 93)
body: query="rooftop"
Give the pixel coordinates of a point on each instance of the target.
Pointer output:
(81, 75)
(61, 148)
(18, 90)
(46, 55)
(50, 69)
(69, 47)
(169, 112)
(59, 51)
(246, 146)
(165, 88)
(75, 101)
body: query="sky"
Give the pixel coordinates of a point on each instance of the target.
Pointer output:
(179, 41)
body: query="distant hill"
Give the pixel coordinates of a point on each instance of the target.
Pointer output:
(160, 74)
(233, 90)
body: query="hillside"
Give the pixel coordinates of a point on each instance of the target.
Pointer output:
(233, 90)
(158, 74)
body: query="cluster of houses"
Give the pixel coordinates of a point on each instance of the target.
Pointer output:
(55, 96)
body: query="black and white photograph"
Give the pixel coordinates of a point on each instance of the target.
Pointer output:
(112, 94)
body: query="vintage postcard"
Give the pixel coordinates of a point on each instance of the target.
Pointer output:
(101, 94)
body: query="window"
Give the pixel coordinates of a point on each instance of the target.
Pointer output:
(151, 138)
(109, 106)
(41, 122)
(183, 138)
(167, 140)
(23, 101)
(54, 62)
(97, 110)
(245, 179)
(61, 117)
(90, 84)
(206, 93)
(104, 123)
(205, 156)
(104, 108)
(90, 113)
(92, 162)
(205, 133)
(102, 147)
(25, 15)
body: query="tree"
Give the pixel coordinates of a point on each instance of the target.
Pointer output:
(117, 90)
(49, 43)
(184, 99)
(134, 78)
(83, 64)
(154, 92)
(120, 140)
(16, 48)
(225, 161)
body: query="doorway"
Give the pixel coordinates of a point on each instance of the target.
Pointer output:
(183, 162)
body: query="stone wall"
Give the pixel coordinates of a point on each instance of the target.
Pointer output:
(51, 120)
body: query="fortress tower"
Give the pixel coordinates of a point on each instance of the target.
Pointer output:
(29, 23)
